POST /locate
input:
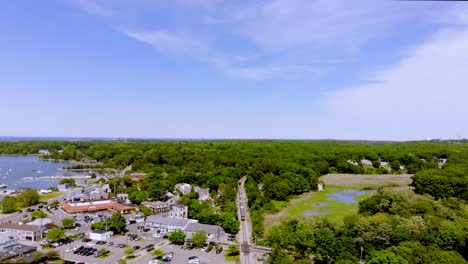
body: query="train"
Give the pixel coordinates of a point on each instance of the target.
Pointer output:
(242, 212)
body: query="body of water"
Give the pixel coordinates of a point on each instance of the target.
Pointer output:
(348, 196)
(14, 170)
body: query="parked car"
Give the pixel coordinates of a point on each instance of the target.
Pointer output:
(70, 249)
(167, 257)
(193, 260)
(111, 243)
(136, 247)
(219, 250)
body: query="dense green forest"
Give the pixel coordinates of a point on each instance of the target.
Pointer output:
(279, 170)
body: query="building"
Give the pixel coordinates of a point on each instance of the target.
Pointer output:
(366, 162)
(212, 231)
(203, 193)
(184, 188)
(167, 224)
(97, 194)
(100, 235)
(179, 211)
(40, 222)
(136, 176)
(24, 232)
(158, 207)
(64, 187)
(44, 152)
(96, 206)
(8, 239)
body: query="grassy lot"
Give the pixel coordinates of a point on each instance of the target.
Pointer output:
(45, 197)
(232, 258)
(319, 203)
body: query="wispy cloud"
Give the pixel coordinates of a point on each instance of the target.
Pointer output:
(92, 7)
(271, 72)
(166, 40)
(421, 96)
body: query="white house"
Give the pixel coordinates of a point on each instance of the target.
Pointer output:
(100, 235)
(43, 191)
(366, 162)
(203, 193)
(185, 188)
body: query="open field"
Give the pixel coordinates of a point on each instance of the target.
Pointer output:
(325, 203)
(401, 180)
(48, 196)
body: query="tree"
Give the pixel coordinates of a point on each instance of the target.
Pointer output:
(117, 223)
(29, 197)
(71, 181)
(386, 257)
(103, 250)
(129, 251)
(55, 234)
(9, 204)
(177, 237)
(158, 253)
(68, 223)
(38, 214)
(199, 238)
(145, 210)
(53, 254)
(232, 250)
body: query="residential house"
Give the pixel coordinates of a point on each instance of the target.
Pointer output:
(203, 193)
(179, 211)
(366, 162)
(184, 188)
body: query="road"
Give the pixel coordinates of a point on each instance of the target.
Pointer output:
(245, 232)
(16, 217)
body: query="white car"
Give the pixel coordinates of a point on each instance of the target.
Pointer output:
(153, 262)
(70, 250)
(204, 249)
(90, 244)
(77, 228)
(193, 260)
(43, 242)
(157, 235)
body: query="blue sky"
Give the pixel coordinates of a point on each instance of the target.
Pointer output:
(234, 69)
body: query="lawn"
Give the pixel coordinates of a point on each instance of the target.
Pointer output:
(48, 196)
(232, 258)
(319, 203)
(316, 203)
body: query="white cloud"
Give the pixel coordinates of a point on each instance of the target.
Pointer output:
(270, 72)
(423, 96)
(92, 7)
(279, 25)
(168, 41)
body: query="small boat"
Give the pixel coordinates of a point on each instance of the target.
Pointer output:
(3, 185)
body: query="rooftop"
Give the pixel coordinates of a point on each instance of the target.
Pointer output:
(169, 221)
(15, 226)
(210, 229)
